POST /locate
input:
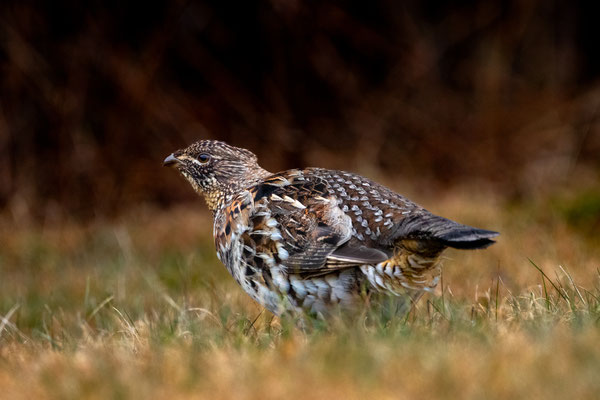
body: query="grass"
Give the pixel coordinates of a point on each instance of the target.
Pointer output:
(141, 308)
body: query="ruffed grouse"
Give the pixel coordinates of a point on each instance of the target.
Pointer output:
(310, 239)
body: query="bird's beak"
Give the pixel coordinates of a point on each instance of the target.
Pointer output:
(171, 161)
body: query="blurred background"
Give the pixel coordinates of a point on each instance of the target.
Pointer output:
(498, 96)
(484, 112)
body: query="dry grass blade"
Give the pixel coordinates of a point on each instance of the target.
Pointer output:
(544, 276)
(568, 275)
(5, 321)
(100, 307)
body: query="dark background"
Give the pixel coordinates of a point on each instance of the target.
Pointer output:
(94, 95)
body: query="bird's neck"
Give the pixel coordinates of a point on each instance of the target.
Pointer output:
(215, 200)
(221, 197)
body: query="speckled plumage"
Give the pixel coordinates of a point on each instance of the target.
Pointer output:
(310, 239)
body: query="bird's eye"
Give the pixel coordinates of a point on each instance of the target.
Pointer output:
(204, 158)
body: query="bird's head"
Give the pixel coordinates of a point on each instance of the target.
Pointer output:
(216, 169)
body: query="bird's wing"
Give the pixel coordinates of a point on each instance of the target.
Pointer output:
(388, 219)
(311, 232)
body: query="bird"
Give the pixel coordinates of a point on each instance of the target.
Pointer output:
(311, 240)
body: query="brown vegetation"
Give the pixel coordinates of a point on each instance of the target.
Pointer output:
(141, 308)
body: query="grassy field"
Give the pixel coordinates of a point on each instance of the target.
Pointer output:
(140, 308)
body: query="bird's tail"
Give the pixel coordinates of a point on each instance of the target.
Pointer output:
(446, 232)
(468, 238)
